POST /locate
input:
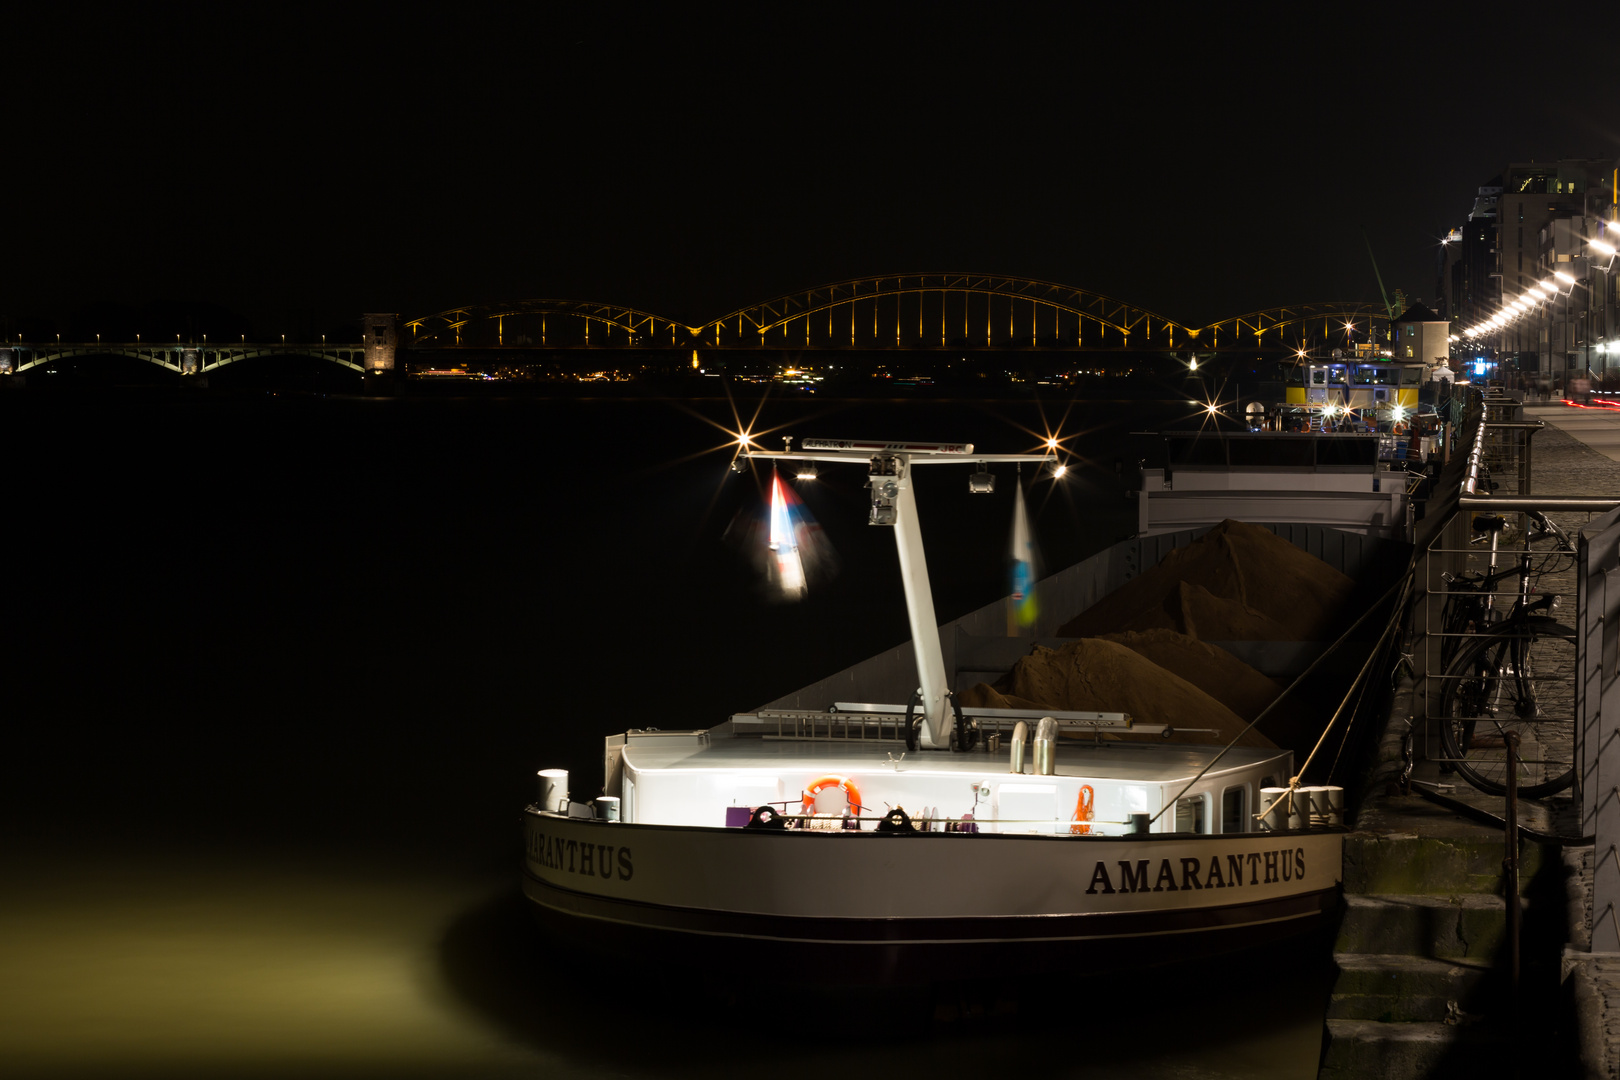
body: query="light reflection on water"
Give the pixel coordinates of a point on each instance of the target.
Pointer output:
(181, 966)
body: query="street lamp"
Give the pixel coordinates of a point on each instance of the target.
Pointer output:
(1603, 262)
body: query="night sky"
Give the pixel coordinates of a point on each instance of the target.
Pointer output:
(305, 166)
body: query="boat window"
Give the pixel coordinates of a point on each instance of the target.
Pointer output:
(1368, 375)
(1410, 376)
(1234, 806)
(1190, 816)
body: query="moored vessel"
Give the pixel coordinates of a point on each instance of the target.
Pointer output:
(911, 838)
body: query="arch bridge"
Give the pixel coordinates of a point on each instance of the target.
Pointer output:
(1298, 323)
(180, 359)
(923, 310)
(545, 323)
(942, 310)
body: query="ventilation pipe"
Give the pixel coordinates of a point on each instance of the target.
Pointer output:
(1020, 736)
(1046, 733)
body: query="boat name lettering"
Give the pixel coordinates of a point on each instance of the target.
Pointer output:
(1253, 868)
(574, 857)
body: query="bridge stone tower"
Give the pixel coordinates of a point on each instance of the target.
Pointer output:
(381, 335)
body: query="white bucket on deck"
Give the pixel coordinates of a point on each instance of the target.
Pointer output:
(1326, 805)
(1274, 813)
(553, 790)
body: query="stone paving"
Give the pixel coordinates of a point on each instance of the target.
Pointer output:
(1578, 453)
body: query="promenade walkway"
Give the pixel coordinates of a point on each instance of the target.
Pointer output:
(1596, 429)
(1423, 943)
(1579, 454)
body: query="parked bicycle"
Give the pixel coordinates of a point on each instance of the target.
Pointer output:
(1509, 672)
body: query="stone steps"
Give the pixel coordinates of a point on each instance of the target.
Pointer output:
(1462, 926)
(1410, 865)
(1410, 989)
(1358, 1049)
(1423, 931)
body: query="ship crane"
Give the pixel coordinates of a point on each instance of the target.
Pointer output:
(893, 505)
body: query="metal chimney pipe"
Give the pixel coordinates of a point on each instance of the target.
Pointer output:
(1046, 733)
(1020, 736)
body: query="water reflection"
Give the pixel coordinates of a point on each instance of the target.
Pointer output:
(187, 966)
(1257, 1016)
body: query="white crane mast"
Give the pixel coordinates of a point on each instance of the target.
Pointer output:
(894, 504)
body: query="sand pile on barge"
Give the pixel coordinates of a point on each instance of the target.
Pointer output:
(1146, 648)
(1093, 674)
(1237, 582)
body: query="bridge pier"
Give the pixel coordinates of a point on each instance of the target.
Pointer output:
(380, 331)
(10, 378)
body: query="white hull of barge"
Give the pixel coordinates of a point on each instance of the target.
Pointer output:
(920, 905)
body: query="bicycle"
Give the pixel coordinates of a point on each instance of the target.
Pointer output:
(1513, 673)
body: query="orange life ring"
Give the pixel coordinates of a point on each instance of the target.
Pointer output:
(1081, 822)
(851, 792)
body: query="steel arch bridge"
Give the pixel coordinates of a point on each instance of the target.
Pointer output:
(921, 310)
(473, 321)
(1341, 317)
(958, 307)
(184, 359)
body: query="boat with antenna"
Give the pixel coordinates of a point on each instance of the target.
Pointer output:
(905, 839)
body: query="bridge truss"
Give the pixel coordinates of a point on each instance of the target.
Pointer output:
(948, 310)
(1297, 323)
(535, 322)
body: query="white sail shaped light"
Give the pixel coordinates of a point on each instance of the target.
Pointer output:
(1023, 555)
(784, 544)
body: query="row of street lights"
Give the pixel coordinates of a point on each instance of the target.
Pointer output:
(1548, 291)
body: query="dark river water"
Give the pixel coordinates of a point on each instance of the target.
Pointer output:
(279, 670)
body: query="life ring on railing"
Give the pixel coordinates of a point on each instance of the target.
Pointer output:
(851, 792)
(1081, 822)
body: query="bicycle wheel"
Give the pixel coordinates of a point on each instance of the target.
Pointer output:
(1520, 678)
